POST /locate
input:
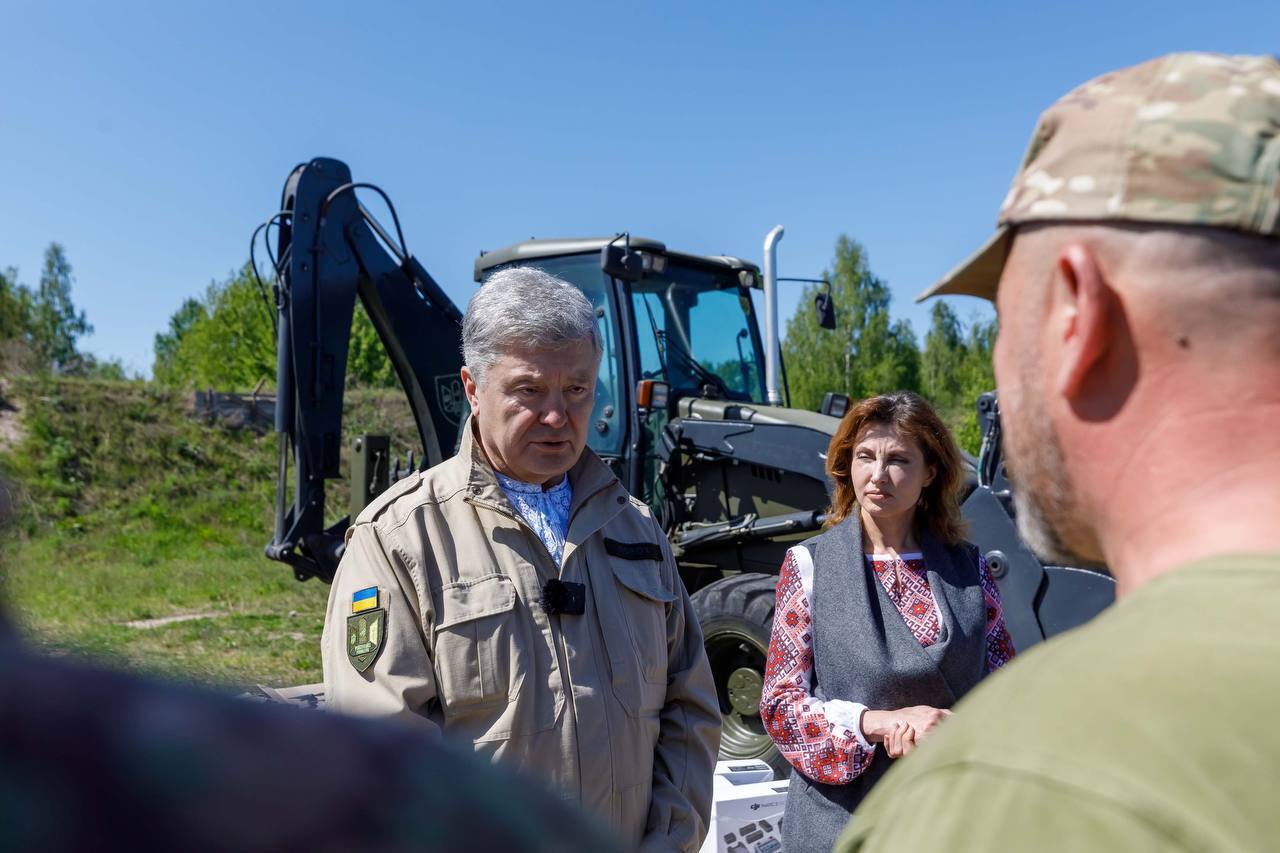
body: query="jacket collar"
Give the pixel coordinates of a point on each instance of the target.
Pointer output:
(589, 477)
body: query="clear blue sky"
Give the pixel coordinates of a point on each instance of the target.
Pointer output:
(150, 138)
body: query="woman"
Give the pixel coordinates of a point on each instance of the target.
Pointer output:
(882, 622)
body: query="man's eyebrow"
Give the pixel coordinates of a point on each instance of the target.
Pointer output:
(529, 377)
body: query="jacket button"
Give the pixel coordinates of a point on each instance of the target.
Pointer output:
(622, 500)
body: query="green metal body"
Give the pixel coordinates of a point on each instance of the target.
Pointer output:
(370, 470)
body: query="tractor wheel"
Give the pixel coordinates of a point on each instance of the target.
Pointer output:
(736, 615)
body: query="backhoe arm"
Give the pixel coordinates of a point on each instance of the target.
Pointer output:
(330, 251)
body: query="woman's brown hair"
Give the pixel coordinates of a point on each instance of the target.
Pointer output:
(912, 417)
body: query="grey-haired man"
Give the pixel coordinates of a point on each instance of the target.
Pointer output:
(1137, 260)
(515, 596)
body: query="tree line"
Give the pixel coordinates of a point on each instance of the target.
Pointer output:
(226, 339)
(871, 353)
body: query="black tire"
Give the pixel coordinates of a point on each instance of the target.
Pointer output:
(736, 615)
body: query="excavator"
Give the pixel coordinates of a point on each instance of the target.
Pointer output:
(691, 414)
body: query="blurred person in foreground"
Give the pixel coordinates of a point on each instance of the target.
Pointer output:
(882, 622)
(516, 598)
(1136, 271)
(97, 760)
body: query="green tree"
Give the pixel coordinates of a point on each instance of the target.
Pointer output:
(15, 324)
(367, 361)
(956, 368)
(944, 348)
(89, 366)
(168, 345)
(15, 306)
(55, 323)
(111, 368)
(867, 353)
(226, 340)
(232, 346)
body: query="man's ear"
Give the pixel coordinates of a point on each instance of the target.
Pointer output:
(1085, 311)
(470, 387)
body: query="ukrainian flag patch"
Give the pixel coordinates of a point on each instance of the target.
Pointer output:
(364, 599)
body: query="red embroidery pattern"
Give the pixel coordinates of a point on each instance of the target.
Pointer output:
(794, 719)
(907, 583)
(1000, 648)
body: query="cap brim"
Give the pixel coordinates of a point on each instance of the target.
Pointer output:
(980, 274)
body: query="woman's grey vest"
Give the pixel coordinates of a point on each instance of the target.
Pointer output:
(864, 652)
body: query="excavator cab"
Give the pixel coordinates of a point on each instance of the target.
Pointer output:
(686, 323)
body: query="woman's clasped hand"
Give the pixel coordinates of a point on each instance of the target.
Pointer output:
(902, 730)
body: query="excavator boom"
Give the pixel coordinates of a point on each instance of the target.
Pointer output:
(331, 251)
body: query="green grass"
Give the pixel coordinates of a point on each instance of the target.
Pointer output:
(130, 509)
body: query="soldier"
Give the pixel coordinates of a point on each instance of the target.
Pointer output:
(517, 598)
(1138, 363)
(97, 760)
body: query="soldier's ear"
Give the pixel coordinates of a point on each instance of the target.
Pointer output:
(1084, 319)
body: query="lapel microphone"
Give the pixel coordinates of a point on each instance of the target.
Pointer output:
(567, 598)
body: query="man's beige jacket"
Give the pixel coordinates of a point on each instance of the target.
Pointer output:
(615, 708)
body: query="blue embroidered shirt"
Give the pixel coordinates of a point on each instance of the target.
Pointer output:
(547, 512)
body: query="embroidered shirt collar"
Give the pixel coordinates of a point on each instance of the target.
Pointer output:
(510, 484)
(546, 512)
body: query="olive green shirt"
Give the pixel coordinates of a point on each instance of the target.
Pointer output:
(1154, 727)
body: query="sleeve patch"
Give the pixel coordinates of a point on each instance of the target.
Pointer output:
(364, 599)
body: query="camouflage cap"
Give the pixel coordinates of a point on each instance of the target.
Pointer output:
(1186, 139)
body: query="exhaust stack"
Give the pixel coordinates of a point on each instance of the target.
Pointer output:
(772, 350)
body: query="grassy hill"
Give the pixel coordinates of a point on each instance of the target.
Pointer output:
(139, 530)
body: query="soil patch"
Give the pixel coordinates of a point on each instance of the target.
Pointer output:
(143, 624)
(10, 422)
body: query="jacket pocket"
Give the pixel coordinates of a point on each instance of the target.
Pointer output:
(473, 631)
(635, 629)
(486, 649)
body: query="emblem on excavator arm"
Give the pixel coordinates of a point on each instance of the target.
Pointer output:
(450, 396)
